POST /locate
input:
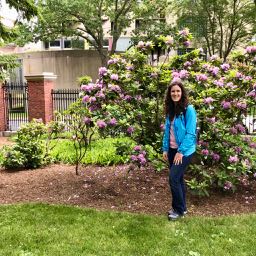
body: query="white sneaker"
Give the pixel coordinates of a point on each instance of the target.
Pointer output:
(175, 216)
(171, 211)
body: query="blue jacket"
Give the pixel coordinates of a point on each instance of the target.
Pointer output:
(184, 132)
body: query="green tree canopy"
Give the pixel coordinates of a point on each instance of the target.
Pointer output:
(26, 10)
(221, 24)
(86, 19)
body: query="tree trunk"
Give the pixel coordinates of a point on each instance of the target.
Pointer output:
(103, 57)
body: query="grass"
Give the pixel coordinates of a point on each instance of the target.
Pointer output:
(39, 229)
(102, 152)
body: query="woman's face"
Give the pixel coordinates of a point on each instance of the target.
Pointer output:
(175, 93)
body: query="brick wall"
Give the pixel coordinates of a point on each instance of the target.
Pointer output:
(39, 96)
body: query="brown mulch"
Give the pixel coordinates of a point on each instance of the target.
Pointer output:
(140, 191)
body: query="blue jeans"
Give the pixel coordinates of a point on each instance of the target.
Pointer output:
(176, 181)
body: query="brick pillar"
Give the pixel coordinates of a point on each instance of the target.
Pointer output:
(39, 96)
(2, 110)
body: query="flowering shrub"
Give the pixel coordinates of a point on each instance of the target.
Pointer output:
(127, 99)
(138, 156)
(223, 93)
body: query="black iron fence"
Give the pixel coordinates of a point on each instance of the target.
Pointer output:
(61, 100)
(15, 105)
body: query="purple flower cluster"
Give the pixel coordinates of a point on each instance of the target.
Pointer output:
(130, 130)
(213, 57)
(211, 120)
(214, 71)
(241, 105)
(112, 121)
(233, 130)
(182, 74)
(233, 159)
(112, 61)
(211, 69)
(231, 85)
(86, 99)
(139, 156)
(87, 87)
(205, 152)
(247, 78)
(137, 148)
(237, 128)
(144, 45)
(239, 75)
(100, 94)
(219, 82)
(114, 88)
(101, 124)
(201, 77)
(103, 71)
(130, 67)
(127, 97)
(186, 43)
(187, 64)
(240, 128)
(251, 49)
(238, 150)
(226, 104)
(215, 157)
(252, 144)
(208, 100)
(87, 120)
(225, 67)
(114, 77)
(203, 143)
(184, 32)
(228, 185)
(252, 94)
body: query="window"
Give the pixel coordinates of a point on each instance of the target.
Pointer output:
(55, 43)
(67, 43)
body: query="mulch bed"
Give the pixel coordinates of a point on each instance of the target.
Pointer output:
(114, 188)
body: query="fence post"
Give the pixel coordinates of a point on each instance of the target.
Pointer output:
(2, 109)
(39, 96)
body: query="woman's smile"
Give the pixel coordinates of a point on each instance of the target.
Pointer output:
(176, 93)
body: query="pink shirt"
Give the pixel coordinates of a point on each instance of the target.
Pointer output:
(173, 143)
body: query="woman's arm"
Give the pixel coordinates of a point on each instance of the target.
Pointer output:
(190, 125)
(166, 137)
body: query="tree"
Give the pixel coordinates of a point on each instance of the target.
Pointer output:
(223, 24)
(152, 21)
(83, 19)
(86, 19)
(26, 10)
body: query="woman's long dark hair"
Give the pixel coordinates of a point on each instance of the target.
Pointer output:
(172, 109)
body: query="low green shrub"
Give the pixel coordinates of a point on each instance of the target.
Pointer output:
(109, 151)
(31, 148)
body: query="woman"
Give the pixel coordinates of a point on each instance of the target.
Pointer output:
(179, 143)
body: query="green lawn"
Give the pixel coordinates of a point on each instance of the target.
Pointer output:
(39, 229)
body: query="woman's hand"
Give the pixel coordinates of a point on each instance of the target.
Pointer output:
(178, 158)
(165, 156)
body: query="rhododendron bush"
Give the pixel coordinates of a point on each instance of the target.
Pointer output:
(127, 99)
